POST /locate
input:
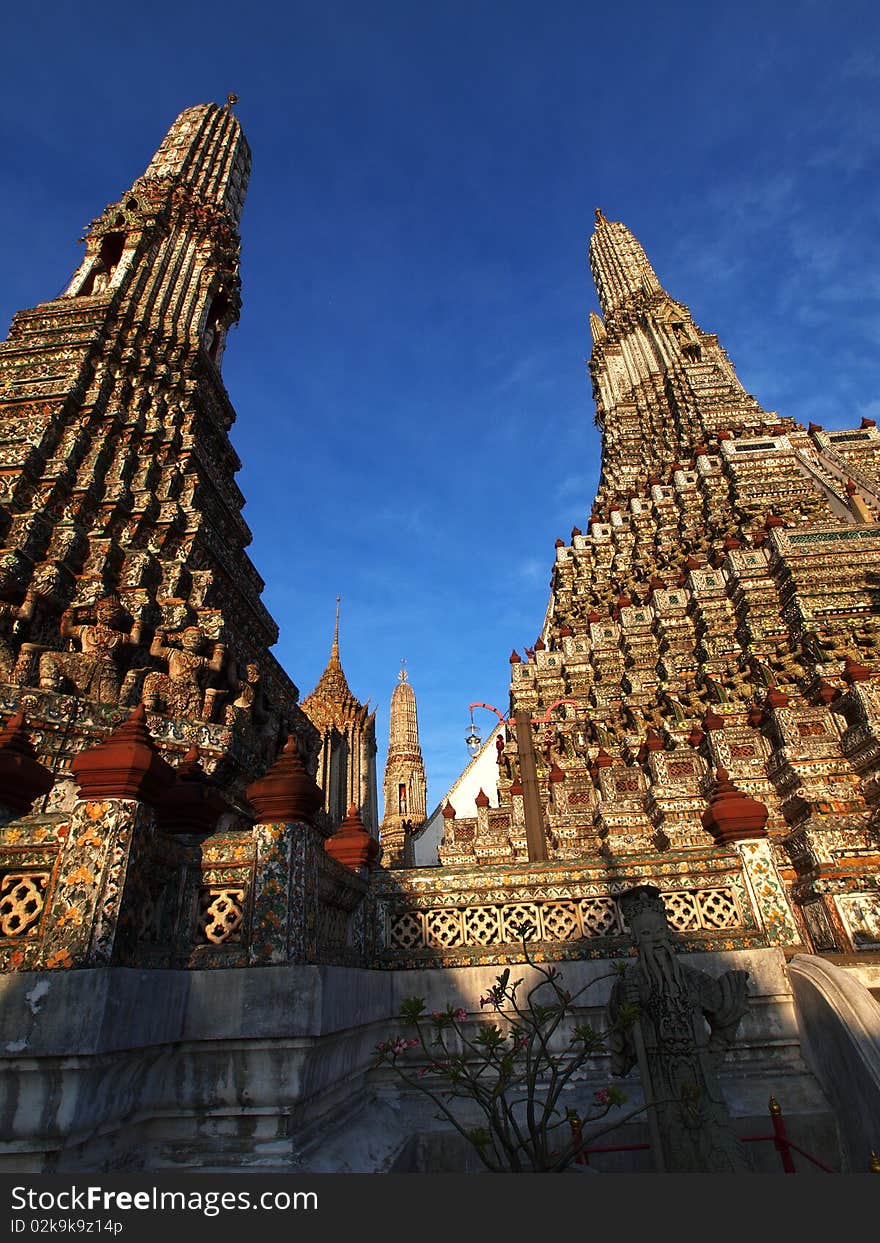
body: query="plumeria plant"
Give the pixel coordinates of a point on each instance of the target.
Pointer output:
(514, 1070)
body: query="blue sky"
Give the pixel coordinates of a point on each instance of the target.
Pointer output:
(414, 413)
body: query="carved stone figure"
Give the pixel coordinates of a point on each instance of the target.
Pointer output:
(179, 692)
(95, 669)
(101, 277)
(677, 1054)
(12, 616)
(242, 707)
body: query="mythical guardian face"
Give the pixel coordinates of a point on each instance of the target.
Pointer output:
(108, 613)
(191, 639)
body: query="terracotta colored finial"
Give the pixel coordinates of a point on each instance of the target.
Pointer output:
(731, 815)
(827, 693)
(775, 698)
(127, 765)
(287, 792)
(351, 844)
(193, 804)
(556, 774)
(712, 720)
(854, 672)
(515, 658)
(23, 779)
(448, 812)
(482, 799)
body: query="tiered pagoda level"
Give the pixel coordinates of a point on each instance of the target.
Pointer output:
(124, 576)
(719, 610)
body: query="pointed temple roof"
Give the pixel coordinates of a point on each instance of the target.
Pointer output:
(332, 702)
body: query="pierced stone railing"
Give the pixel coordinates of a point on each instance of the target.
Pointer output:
(458, 916)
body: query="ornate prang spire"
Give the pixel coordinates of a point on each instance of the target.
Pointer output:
(123, 546)
(404, 786)
(206, 150)
(662, 386)
(620, 266)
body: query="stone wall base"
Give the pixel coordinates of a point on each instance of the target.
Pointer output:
(271, 1069)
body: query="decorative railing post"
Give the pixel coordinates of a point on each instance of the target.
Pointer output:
(119, 782)
(780, 1137)
(22, 777)
(351, 844)
(289, 847)
(734, 819)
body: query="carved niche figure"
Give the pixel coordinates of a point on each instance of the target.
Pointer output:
(12, 618)
(678, 1055)
(243, 706)
(94, 670)
(100, 277)
(179, 692)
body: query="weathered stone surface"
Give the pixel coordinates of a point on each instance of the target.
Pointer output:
(840, 1027)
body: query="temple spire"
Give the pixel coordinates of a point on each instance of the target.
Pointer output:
(334, 646)
(205, 150)
(122, 531)
(620, 266)
(404, 786)
(347, 728)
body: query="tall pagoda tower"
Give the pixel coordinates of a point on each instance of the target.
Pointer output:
(405, 790)
(712, 634)
(123, 574)
(346, 732)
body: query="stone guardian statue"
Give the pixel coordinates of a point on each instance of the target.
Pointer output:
(686, 1021)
